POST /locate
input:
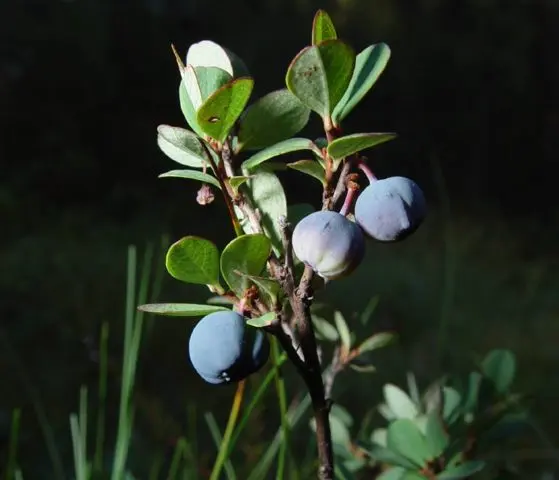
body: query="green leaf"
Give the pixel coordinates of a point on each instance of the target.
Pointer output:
(193, 175)
(310, 167)
(262, 321)
(322, 28)
(188, 109)
(275, 117)
(394, 473)
(345, 146)
(342, 414)
(403, 437)
(324, 329)
(369, 64)
(343, 330)
(451, 404)
(180, 309)
(221, 110)
(436, 436)
(287, 146)
(464, 470)
(202, 82)
(193, 260)
(376, 341)
(500, 367)
(319, 75)
(246, 254)
(391, 457)
(268, 196)
(399, 402)
(182, 146)
(210, 54)
(362, 368)
(236, 182)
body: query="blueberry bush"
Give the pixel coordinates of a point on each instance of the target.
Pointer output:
(263, 282)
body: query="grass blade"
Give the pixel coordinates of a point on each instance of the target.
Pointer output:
(102, 398)
(11, 467)
(218, 440)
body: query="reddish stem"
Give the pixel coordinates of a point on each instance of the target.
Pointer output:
(347, 201)
(367, 171)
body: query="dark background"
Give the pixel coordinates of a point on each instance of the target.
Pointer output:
(471, 88)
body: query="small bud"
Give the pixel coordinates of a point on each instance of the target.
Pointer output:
(205, 195)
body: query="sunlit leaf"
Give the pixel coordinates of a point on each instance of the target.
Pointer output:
(345, 146)
(193, 260)
(247, 254)
(323, 28)
(319, 75)
(220, 111)
(324, 329)
(281, 148)
(369, 64)
(273, 118)
(376, 341)
(180, 309)
(182, 146)
(192, 175)
(343, 330)
(268, 196)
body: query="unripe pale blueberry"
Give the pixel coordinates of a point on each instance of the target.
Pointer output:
(390, 209)
(224, 349)
(330, 243)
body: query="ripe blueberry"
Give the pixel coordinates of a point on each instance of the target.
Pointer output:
(330, 243)
(224, 349)
(390, 209)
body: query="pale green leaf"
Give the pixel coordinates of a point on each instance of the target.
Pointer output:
(192, 175)
(182, 146)
(281, 148)
(323, 28)
(369, 64)
(180, 309)
(345, 146)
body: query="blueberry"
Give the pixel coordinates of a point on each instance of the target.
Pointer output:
(330, 243)
(224, 349)
(390, 209)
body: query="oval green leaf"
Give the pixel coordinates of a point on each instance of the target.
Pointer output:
(376, 341)
(399, 402)
(343, 330)
(220, 111)
(403, 437)
(192, 175)
(500, 367)
(324, 329)
(369, 64)
(210, 54)
(464, 470)
(193, 260)
(345, 146)
(267, 194)
(180, 309)
(323, 28)
(268, 288)
(182, 146)
(188, 109)
(320, 74)
(246, 254)
(274, 117)
(280, 148)
(394, 473)
(236, 182)
(262, 321)
(436, 436)
(312, 168)
(391, 457)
